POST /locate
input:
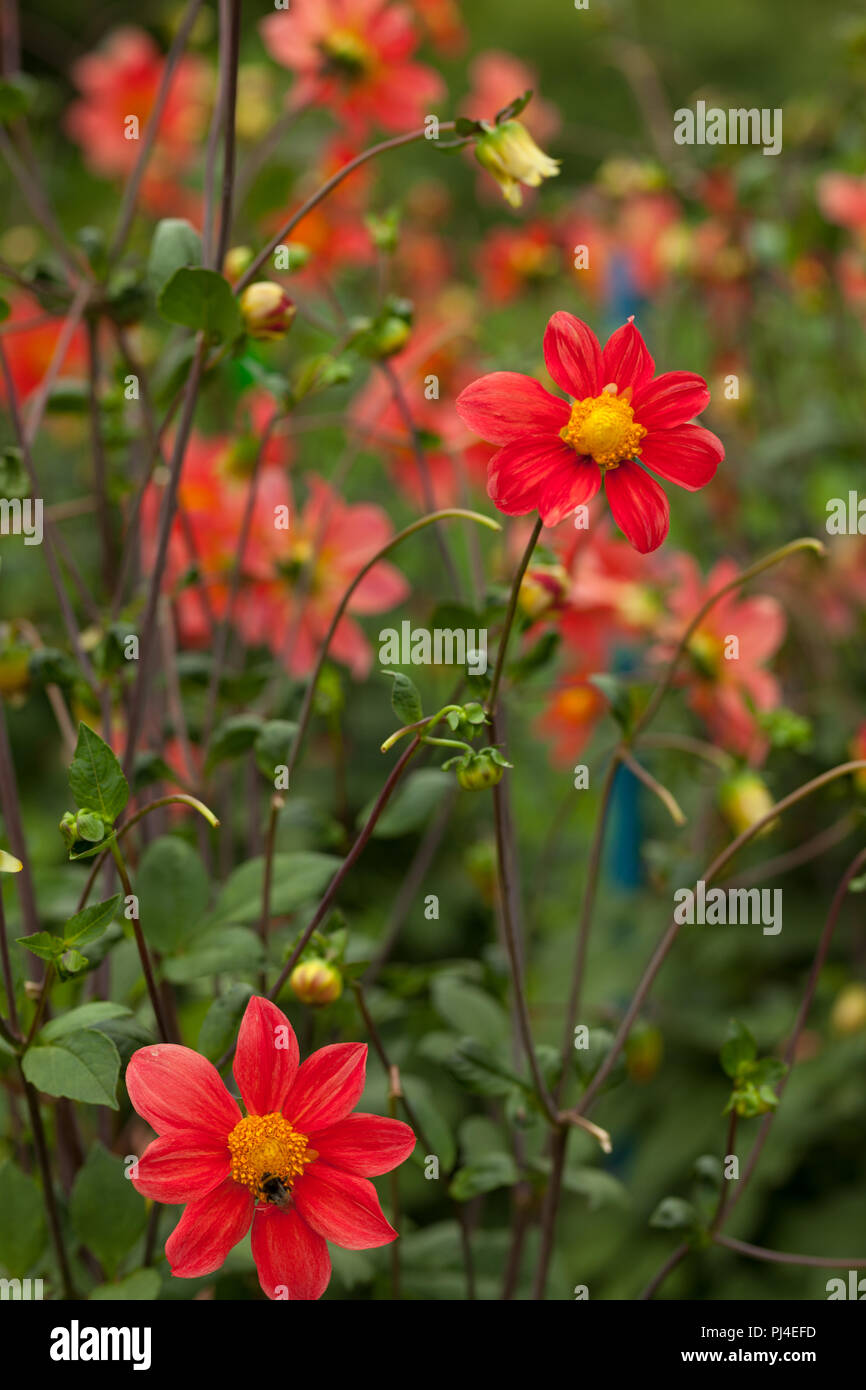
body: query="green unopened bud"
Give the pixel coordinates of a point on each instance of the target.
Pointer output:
(510, 154)
(316, 982)
(475, 771)
(267, 310)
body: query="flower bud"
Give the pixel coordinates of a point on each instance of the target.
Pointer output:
(849, 1011)
(267, 310)
(510, 154)
(237, 260)
(316, 982)
(543, 588)
(744, 798)
(475, 771)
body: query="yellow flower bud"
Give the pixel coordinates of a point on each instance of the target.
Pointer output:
(849, 1011)
(316, 982)
(510, 154)
(237, 260)
(744, 799)
(267, 310)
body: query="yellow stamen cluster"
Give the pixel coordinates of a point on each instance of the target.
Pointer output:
(267, 1144)
(604, 427)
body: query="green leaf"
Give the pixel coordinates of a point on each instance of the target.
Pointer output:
(486, 1175)
(469, 1010)
(436, 1129)
(600, 1189)
(739, 1049)
(106, 1212)
(142, 1287)
(90, 923)
(477, 1068)
(222, 1021)
(173, 889)
(226, 948)
(233, 737)
(22, 1221)
(16, 96)
(273, 746)
(82, 1066)
(202, 300)
(673, 1214)
(96, 778)
(405, 700)
(85, 1016)
(176, 244)
(297, 878)
(43, 944)
(413, 803)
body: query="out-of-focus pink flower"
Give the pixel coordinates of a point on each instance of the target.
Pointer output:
(30, 339)
(635, 238)
(355, 58)
(441, 22)
(497, 78)
(727, 682)
(574, 709)
(842, 199)
(121, 80)
(513, 259)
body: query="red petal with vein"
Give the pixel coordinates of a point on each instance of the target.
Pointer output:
(672, 399)
(208, 1230)
(289, 1255)
(503, 406)
(640, 508)
(688, 455)
(364, 1144)
(626, 360)
(176, 1091)
(570, 485)
(342, 1208)
(266, 1060)
(328, 1085)
(517, 473)
(178, 1169)
(573, 356)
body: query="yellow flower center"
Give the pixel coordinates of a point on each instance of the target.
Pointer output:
(347, 53)
(267, 1147)
(604, 427)
(706, 652)
(577, 703)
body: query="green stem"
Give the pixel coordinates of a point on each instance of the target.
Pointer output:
(143, 953)
(510, 615)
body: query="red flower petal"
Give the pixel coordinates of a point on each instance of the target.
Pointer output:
(365, 1144)
(688, 455)
(328, 1085)
(568, 486)
(177, 1169)
(266, 1059)
(503, 406)
(289, 1256)
(517, 473)
(178, 1091)
(573, 356)
(208, 1230)
(672, 399)
(342, 1208)
(640, 507)
(625, 359)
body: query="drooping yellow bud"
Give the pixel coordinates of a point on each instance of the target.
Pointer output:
(510, 154)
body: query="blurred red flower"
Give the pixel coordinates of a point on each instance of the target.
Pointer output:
(121, 80)
(727, 683)
(355, 58)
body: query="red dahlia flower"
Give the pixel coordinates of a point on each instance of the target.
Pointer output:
(295, 1167)
(554, 454)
